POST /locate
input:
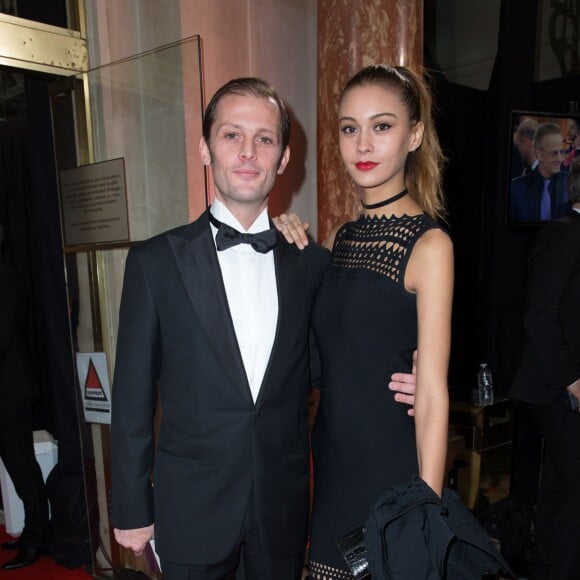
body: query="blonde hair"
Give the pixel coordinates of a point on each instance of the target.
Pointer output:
(423, 166)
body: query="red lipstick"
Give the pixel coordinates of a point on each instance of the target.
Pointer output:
(366, 165)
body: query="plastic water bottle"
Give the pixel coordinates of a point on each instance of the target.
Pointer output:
(484, 385)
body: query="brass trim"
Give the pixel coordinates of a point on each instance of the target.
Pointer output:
(84, 104)
(81, 17)
(29, 45)
(93, 247)
(77, 16)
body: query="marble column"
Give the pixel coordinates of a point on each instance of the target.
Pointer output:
(353, 34)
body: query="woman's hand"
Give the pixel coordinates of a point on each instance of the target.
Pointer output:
(293, 229)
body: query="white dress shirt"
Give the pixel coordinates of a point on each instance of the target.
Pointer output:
(250, 282)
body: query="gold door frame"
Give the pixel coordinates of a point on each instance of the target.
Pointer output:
(33, 46)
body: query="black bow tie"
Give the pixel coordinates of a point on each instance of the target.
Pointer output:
(227, 237)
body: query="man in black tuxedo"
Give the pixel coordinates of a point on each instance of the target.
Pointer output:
(548, 378)
(16, 399)
(223, 337)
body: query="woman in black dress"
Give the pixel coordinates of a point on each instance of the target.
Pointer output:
(388, 291)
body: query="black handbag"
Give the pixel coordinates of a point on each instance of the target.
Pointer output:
(354, 551)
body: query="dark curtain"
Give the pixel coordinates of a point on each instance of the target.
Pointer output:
(474, 129)
(39, 230)
(29, 211)
(506, 247)
(460, 125)
(15, 216)
(70, 541)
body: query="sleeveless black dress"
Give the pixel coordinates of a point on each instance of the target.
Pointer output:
(365, 324)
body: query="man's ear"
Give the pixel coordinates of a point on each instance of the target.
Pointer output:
(284, 160)
(204, 152)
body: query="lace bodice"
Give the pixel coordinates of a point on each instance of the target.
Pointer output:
(380, 244)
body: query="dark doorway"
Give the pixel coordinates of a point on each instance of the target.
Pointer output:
(30, 214)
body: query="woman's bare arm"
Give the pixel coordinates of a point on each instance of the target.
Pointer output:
(430, 275)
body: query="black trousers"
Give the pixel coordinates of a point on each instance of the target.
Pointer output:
(17, 452)
(556, 555)
(249, 561)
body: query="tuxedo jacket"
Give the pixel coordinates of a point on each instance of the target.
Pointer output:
(550, 357)
(526, 194)
(217, 450)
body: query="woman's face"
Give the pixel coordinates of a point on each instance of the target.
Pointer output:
(375, 137)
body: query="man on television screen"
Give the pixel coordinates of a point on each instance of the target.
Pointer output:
(523, 154)
(541, 195)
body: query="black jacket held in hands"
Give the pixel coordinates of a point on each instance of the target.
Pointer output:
(411, 533)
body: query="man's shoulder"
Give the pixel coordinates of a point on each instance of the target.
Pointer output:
(313, 255)
(520, 180)
(187, 232)
(521, 184)
(317, 254)
(534, 176)
(318, 250)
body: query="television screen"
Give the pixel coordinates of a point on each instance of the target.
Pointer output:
(543, 146)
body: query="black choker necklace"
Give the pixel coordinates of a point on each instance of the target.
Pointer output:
(386, 201)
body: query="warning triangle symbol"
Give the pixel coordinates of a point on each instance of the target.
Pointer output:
(93, 388)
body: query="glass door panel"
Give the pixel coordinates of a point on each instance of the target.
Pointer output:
(146, 110)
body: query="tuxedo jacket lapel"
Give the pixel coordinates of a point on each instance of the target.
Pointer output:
(291, 281)
(197, 261)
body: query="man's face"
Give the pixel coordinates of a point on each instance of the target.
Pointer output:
(549, 154)
(244, 151)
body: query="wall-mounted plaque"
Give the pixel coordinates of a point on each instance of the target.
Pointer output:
(94, 204)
